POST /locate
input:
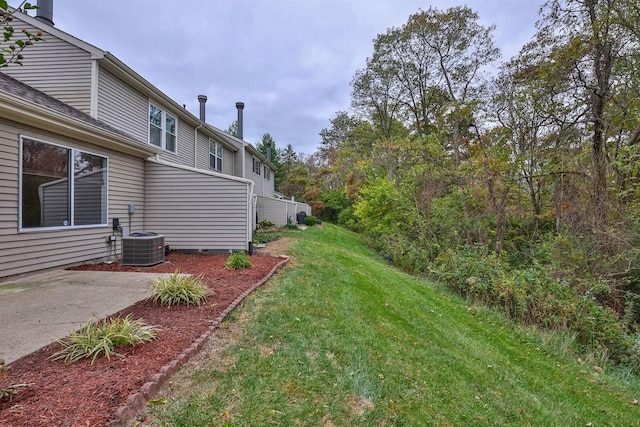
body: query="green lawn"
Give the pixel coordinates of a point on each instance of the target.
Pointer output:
(341, 339)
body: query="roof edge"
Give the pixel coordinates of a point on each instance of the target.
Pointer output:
(96, 53)
(200, 171)
(19, 110)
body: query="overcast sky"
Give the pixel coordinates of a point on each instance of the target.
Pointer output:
(290, 61)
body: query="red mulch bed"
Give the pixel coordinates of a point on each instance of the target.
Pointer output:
(81, 394)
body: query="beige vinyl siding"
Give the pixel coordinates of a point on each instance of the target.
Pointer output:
(122, 107)
(56, 68)
(237, 164)
(24, 253)
(279, 211)
(268, 185)
(184, 142)
(8, 183)
(196, 210)
(263, 187)
(202, 159)
(127, 176)
(227, 161)
(250, 174)
(203, 156)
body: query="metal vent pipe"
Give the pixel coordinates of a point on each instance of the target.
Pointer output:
(44, 12)
(240, 107)
(202, 99)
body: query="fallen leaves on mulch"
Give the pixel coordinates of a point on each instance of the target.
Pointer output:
(82, 394)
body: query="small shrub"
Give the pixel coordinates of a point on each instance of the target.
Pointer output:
(265, 223)
(291, 226)
(179, 289)
(238, 261)
(310, 220)
(101, 338)
(264, 237)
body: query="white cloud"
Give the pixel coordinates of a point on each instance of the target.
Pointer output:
(290, 61)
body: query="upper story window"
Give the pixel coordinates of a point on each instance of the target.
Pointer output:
(61, 187)
(267, 173)
(163, 128)
(257, 166)
(215, 155)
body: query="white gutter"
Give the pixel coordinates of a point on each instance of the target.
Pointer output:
(250, 213)
(200, 171)
(18, 109)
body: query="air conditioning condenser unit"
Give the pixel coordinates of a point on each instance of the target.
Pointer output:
(142, 249)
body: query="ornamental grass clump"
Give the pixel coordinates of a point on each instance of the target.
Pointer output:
(179, 289)
(102, 338)
(238, 261)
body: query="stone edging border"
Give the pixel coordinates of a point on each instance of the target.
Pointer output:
(138, 400)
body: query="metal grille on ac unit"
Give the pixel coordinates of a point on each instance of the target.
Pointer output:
(142, 249)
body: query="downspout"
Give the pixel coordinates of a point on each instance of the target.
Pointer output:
(195, 146)
(250, 215)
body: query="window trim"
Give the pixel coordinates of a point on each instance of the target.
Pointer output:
(267, 173)
(71, 178)
(257, 166)
(217, 146)
(163, 128)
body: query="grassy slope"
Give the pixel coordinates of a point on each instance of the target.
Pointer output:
(342, 339)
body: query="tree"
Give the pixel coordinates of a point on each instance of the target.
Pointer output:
(587, 48)
(11, 48)
(233, 129)
(423, 85)
(294, 175)
(267, 140)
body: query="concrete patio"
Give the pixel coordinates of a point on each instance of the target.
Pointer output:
(37, 310)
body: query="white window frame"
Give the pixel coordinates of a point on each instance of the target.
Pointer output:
(71, 180)
(164, 131)
(216, 155)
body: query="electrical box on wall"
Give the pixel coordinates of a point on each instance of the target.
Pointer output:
(131, 208)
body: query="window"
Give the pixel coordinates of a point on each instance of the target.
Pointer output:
(215, 155)
(257, 166)
(61, 187)
(267, 173)
(162, 129)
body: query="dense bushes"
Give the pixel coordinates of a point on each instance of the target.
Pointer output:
(534, 296)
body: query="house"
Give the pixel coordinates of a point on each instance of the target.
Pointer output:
(85, 142)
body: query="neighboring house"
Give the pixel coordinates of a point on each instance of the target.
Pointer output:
(85, 140)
